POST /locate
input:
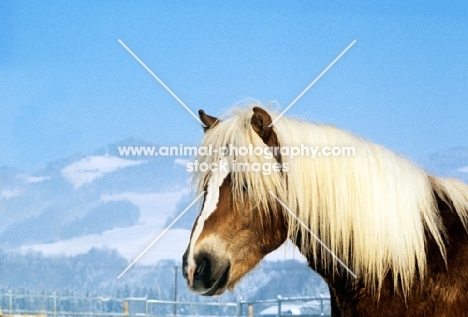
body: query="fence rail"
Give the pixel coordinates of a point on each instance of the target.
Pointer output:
(82, 306)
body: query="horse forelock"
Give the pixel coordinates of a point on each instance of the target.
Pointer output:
(236, 131)
(371, 209)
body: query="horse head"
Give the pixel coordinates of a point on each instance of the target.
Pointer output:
(231, 234)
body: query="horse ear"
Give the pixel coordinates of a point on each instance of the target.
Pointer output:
(261, 121)
(207, 120)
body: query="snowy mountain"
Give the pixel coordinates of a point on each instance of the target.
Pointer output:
(105, 200)
(98, 200)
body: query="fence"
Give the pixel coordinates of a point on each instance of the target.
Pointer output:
(67, 306)
(299, 306)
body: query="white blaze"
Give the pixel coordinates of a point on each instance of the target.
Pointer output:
(211, 201)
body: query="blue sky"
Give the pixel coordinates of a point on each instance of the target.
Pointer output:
(67, 86)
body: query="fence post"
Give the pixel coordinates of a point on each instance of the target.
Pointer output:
(125, 308)
(175, 291)
(10, 303)
(54, 295)
(239, 308)
(279, 305)
(250, 310)
(321, 305)
(146, 305)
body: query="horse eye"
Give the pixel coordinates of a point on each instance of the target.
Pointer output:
(244, 188)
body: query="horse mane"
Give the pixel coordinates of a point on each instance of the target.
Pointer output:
(371, 209)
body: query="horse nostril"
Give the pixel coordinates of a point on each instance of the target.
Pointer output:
(203, 269)
(200, 268)
(184, 265)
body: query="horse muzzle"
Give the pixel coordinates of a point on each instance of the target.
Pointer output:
(208, 275)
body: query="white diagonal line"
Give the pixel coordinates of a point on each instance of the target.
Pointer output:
(314, 236)
(160, 235)
(313, 82)
(161, 82)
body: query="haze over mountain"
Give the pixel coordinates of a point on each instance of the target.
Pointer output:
(86, 201)
(119, 202)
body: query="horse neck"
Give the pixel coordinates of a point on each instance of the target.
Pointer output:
(350, 297)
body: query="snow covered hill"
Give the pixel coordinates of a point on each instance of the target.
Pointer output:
(119, 202)
(97, 200)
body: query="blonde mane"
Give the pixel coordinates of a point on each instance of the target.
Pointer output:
(370, 209)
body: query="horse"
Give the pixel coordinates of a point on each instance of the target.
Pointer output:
(388, 238)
